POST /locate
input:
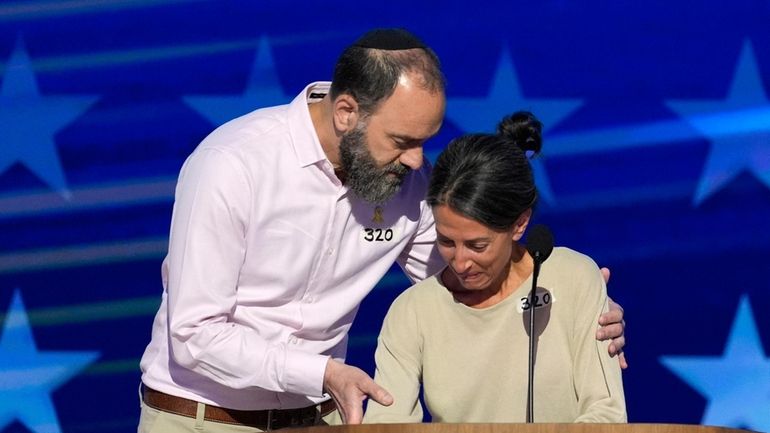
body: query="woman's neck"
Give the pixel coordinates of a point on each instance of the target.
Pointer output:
(521, 267)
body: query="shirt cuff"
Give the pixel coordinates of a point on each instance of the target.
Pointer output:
(305, 373)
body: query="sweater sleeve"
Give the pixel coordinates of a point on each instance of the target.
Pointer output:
(598, 381)
(399, 365)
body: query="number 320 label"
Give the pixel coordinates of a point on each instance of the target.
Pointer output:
(378, 235)
(543, 298)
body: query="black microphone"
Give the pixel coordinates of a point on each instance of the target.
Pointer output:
(539, 246)
(539, 243)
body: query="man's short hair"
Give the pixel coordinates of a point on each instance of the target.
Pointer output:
(369, 69)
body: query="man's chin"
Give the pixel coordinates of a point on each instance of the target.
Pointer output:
(382, 190)
(378, 199)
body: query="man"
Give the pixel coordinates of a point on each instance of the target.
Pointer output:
(284, 220)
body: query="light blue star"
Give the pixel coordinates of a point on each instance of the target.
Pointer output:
(29, 121)
(735, 145)
(27, 376)
(737, 384)
(262, 90)
(505, 96)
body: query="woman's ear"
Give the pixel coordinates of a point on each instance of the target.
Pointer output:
(345, 113)
(521, 224)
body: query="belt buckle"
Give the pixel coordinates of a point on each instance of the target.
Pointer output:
(312, 417)
(299, 418)
(302, 418)
(271, 420)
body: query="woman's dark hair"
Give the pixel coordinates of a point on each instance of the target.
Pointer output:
(487, 177)
(371, 74)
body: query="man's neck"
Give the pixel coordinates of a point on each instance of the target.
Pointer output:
(321, 116)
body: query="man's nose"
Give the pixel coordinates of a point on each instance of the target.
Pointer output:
(412, 157)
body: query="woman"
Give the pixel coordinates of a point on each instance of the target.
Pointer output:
(462, 334)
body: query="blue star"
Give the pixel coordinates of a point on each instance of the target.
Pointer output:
(262, 90)
(734, 125)
(27, 376)
(737, 384)
(505, 97)
(28, 121)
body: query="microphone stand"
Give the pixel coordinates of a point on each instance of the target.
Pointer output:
(531, 375)
(539, 246)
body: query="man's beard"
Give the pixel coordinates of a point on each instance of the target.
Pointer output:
(368, 181)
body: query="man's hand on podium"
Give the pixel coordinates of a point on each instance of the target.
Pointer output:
(349, 387)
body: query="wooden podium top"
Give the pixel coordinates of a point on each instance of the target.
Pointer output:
(518, 428)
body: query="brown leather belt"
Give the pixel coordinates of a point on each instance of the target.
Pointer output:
(272, 419)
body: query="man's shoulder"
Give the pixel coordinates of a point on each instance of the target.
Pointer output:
(260, 138)
(268, 132)
(256, 125)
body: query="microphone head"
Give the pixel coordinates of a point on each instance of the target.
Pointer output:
(539, 242)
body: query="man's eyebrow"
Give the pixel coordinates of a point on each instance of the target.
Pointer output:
(405, 137)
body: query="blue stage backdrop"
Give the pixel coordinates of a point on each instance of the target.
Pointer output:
(656, 163)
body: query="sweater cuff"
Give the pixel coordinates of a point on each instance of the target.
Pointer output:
(305, 373)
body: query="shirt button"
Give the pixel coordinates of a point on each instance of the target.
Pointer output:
(293, 340)
(330, 251)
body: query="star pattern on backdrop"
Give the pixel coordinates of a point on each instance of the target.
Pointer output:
(29, 376)
(29, 121)
(262, 90)
(505, 96)
(736, 384)
(736, 127)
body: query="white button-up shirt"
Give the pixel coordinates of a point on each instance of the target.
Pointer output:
(269, 257)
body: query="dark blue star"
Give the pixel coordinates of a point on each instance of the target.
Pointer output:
(737, 384)
(504, 97)
(262, 90)
(28, 376)
(737, 127)
(29, 121)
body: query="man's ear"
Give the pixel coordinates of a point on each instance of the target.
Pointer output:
(345, 113)
(521, 224)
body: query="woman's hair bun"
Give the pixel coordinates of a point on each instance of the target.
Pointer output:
(523, 129)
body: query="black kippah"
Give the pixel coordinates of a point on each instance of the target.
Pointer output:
(389, 39)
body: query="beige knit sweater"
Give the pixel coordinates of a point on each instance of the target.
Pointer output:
(472, 362)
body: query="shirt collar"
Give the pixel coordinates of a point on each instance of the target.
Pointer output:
(303, 135)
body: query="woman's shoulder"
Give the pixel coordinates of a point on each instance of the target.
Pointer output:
(420, 302)
(420, 293)
(573, 277)
(567, 258)
(570, 265)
